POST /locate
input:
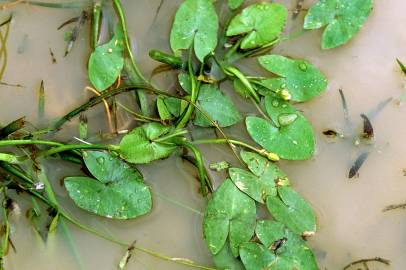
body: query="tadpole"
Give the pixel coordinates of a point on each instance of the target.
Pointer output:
(357, 164)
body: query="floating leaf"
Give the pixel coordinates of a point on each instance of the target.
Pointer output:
(225, 259)
(257, 187)
(292, 253)
(230, 213)
(344, 18)
(255, 256)
(292, 142)
(217, 105)
(299, 77)
(262, 23)
(175, 106)
(195, 23)
(234, 4)
(261, 181)
(106, 62)
(117, 192)
(292, 210)
(259, 166)
(142, 144)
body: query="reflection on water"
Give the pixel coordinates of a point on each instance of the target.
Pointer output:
(351, 222)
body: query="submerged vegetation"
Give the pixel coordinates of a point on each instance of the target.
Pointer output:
(205, 52)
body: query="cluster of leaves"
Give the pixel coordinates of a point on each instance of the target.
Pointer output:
(114, 188)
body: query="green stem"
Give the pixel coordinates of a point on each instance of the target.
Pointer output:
(27, 142)
(121, 16)
(263, 152)
(96, 16)
(69, 147)
(174, 134)
(95, 232)
(195, 91)
(200, 165)
(235, 72)
(169, 59)
(138, 116)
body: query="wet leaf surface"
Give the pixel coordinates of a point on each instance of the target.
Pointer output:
(117, 192)
(292, 140)
(195, 23)
(291, 254)
(230, 213)
(140, 145)
(217, 105)
(106, 62)
(303, 80)
(342, 18)
(261, 23)
(289, 208)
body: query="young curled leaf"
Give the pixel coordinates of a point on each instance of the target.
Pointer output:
(196, 23)
(143, 144)
(344, 19)
(117, 192)
(303, 80)
(261, 23)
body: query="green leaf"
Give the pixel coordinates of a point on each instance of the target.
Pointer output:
(230, 213)
(106, 62)
(293, 254)
(256, 187)
(240, 88)
(261, 23)
(292, 142)
(195, 23)
(260, 166)
(175, 106)
(261, 182)
(299, 77)
(234, 4)
(255, 256)
(117, 192)
(217, 105)
(344, 18)
(225, 259)
(185, 83)
(292, 210)
(142, 144)
(163, 111)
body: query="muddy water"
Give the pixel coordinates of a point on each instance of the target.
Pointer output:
(351, 222)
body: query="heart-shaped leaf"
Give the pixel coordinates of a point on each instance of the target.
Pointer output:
(299, 77)
(217, 105)
(293, 142)
(344, 18)
(106, 62)
(261, 23)
(292, 210)
(117, 192)
(288, 249)
(196, 23)
(143, 144)
(230, 213)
